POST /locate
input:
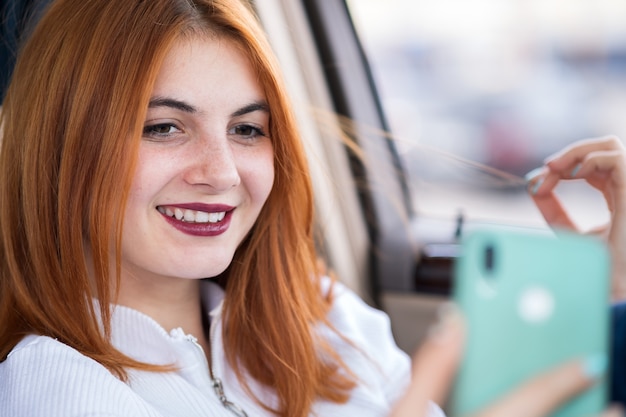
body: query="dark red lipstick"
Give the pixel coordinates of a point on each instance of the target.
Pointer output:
(203, 229)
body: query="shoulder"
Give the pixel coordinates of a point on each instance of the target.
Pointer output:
(367, 326)
(383, 369)
(44, 377)
(371, 352)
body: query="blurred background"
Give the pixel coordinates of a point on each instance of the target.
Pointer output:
(504, 83)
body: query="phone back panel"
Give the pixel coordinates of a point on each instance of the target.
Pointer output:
(531, 301)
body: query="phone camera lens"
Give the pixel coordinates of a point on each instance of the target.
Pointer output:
(489, 258)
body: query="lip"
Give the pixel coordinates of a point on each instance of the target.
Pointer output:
(201, 229)
(209, 208)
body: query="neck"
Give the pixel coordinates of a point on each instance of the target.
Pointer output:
(172, 302)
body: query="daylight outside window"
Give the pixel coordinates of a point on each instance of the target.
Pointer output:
(479, 92)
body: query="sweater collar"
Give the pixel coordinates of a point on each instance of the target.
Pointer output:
(142, 338)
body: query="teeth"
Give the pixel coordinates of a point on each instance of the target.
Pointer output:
(203, 217)
(216, 217)
(192, 216)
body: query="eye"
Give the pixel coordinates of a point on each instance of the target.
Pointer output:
(160, 130)
(247, 131)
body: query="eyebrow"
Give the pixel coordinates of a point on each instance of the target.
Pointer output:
(188, 108)
(172, 103)
(251, 108)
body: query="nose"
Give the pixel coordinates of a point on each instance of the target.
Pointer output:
(213, 164)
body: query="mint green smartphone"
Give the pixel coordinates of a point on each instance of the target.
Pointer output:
(531, 301)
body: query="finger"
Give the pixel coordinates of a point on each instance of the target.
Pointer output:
(597, 167)
(434, 366)
(602, 231)
(599, 162)
(578, 150)
(553, 212)
(614, 411)
(606, 172)
(603, 170)
(545, 393)
(541, 181)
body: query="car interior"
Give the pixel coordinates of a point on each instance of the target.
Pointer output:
(399, 179)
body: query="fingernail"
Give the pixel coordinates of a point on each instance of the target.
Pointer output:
(448, 317)
(594, 366)
(614, 410)
(536, 186)
(575, 170)
(550, 158)
(533, 174)
(537, 172)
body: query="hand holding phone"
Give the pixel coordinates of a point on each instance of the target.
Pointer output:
(531, 301)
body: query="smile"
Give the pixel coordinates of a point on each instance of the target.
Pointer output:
(192, 216)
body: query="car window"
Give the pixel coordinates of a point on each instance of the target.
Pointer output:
(16, 18)
(477, 93)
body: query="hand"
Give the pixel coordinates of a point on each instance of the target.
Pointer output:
(434, 368)
(602, 163)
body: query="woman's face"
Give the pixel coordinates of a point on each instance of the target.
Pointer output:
(205, 165)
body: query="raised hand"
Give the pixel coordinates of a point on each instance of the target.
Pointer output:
(602, 163)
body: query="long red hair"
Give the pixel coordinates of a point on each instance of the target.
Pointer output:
(72, 121)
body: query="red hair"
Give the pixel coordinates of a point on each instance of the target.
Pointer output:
(72, 121)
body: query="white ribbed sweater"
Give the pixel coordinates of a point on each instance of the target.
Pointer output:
(44, 378)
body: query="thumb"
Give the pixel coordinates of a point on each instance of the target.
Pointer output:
(434, 366)
(547, 391)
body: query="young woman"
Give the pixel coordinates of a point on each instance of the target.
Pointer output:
(149, 145)
(156, 248)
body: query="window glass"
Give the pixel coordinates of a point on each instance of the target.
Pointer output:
(479, 92)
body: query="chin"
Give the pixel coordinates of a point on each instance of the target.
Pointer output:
(201, 273)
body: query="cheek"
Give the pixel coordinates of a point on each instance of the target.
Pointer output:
(151, 173)
(145, 185)
(138, 188)
(260, 177)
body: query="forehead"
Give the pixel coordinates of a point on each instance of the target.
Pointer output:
(206, 69)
